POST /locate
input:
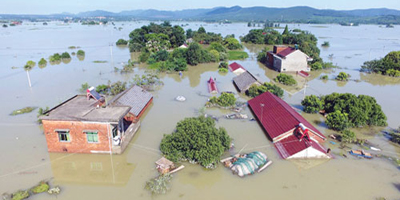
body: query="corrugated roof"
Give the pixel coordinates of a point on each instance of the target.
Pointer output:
(292, 145)
(276, 116)
(244, 81)
(134, 97)
(235, 66)
(286, 52)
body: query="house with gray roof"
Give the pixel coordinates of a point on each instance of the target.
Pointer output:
(86, 124)
(244, 81)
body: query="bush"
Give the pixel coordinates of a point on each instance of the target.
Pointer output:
(342, 76)
(65, 55)
(42, 62)
(316, 66)
(215, 55)
(223, 70)
(325, 44)
(232, 44)
(256, 90)
(102, 89)
(285, 79)
(217, 46)
(122, 42)
(223, 65)
(225, 100)
(80, 53)
(312, 104)
(196, 140)
(324, 77)
(117, 87)
(159, 185)
(84, 87)
(55, 57)
(393, 72)
(337, 121)
(348, 136)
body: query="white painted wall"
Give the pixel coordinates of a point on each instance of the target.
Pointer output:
(295, 61)
(310, 152)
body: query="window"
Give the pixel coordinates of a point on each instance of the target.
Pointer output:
(63, 136)
(92, 137)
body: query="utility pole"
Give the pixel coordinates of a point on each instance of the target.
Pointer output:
(29, 78)
(111, 52)
(262, 112)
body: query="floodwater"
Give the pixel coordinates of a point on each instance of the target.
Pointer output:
(25, 160)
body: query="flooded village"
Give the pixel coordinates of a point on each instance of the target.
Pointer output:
(94, 145)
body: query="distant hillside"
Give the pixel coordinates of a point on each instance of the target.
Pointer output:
(299, 14)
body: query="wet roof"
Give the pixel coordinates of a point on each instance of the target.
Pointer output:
(134, 97)
(286, 52)
(79, 108)
(276, 116)
(292, 145)
(235, 66)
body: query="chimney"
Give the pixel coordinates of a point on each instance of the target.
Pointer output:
(279, 48)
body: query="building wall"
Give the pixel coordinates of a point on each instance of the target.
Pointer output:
(144, 109)
(278, 61)
(78, 142)
(295, 61)
(310, 152)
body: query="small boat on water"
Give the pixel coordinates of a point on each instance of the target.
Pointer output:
(236, 116)
(212, 86)
(246, 164)
(360, 153)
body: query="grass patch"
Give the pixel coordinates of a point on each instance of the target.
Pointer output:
(100, 61)
(237, 55)
(23, 111)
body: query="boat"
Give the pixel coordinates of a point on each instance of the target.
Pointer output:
(236, 116)
(247, 164)
(212, 86)
(361, 153)
(180, 98)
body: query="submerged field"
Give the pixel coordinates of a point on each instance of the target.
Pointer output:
(25, 160)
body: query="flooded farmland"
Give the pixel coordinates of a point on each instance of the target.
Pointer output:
(25, 160)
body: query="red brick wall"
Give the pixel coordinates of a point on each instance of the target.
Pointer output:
(144, 109)
(78, 141)
(278, 49)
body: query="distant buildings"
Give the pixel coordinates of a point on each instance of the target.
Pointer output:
(85, 124)
(292, 135)
(287, 59)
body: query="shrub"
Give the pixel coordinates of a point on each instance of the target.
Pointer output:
(312, 104)
(285, 79)
(337, 121)
(325, 44)
(84, 87)
(348, 136)
(122, 42)
(159, 185)
(42, 62)
(342, 76)
(65, 55)
(316, 66)
(223, 65)
(225, 100)
(324, 77)
(80, 53)
(256, 90)
(223, 70)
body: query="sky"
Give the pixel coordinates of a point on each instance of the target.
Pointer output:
(76, 6)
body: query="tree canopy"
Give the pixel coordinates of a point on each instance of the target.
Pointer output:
(196, 140)
(256, 90)
(389, 65)
(285, 79)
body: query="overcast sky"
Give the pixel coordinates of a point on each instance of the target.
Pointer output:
(76, 6)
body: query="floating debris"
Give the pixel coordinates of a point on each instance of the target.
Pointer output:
(236, 116)
(246, 164)
(55, 190)
(20, 195)
(42, 187)
(360, 153)
(180, 98)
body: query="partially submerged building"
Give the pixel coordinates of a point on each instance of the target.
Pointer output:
(287, 59)
(236, 68)
(244, 81)
(292, 135)
(212, 86)
(86, 124)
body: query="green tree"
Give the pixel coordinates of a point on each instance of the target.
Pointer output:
(84, 87)
(286, 31)
(223, 65)
(337, 121)
(65, 55)
(285, 79)
(225, 100)
(121, 42)
(316, 66)
(217, 46)
(80, 53)
(312, 104)
(256, 90)
(201, 30)
(189, 33)
(42, 63)
(348, 136)
(342, 76)
(232, 44)
(215, 55)
(198, 140)
(194, 54)
(117, 87)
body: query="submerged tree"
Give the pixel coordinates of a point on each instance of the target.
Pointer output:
(196, 140)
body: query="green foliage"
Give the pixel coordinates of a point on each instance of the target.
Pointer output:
(146, 80)
(325, 44)
(80, 53)
(102, 89)
(262, 56)
(159, 185)
(312, 104)
(122, 42)
(217, 46)
(389, 65)
(215, 55)
(158, 56)
(324, 77)
(42, 63)
(20, 195)
(144, 55)
(256, 90)
(128, 67)
(31, 63)
(223, 65)
(203, 37)
(117, 87)
(286, 31)
(189, 33)
(285, 79)
(42, 187)
(255, 36)
(237, 55)
(337, 121)
(223, 70)
(342, 76)
(22, 111)
(65, 55)
(225, 100)
(56, 58)
(195, 54)
(84, 87)
(316, 66)
(395, 137)
(196, 140)
(348, 136)
(232, 44)
(41, 112)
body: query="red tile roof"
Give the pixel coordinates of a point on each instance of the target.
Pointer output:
(292, 145)
(286, 52)
(234, 66)
(212, 86)
(276, 116)
(304, 74)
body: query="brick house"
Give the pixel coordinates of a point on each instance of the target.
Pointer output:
(287, 59)
(292, 135)
(86, 124)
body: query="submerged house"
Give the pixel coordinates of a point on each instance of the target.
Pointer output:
(212, 86)
(244, 81)
(292, 135)
(236, 68)
(86, 124)
(287, 59)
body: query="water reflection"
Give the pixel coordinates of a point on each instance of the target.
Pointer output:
(91, 169)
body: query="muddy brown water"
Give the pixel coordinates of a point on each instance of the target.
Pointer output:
(25, 160)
